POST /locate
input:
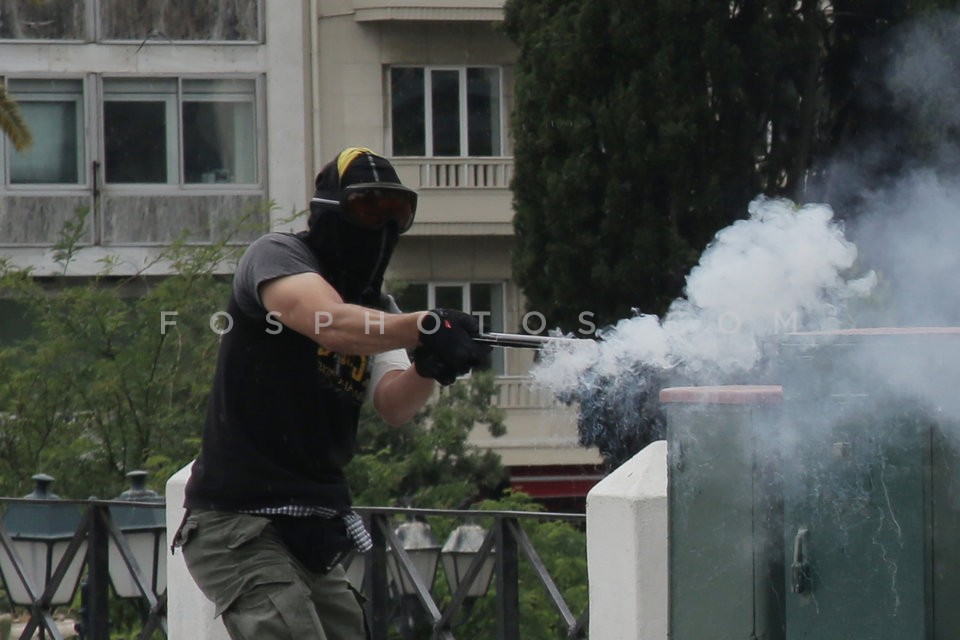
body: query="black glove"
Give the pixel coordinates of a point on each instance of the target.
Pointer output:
(447, 347)
(428, 365)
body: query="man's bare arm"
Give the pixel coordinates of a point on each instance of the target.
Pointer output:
(308, 304)
(400, 395)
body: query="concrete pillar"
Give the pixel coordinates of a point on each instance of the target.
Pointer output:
(189, 613)
(627, 549)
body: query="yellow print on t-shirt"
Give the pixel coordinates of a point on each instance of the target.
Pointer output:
(345, 373)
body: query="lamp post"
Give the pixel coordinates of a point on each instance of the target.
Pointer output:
(417, 539)
(424, 551)
(458, 553)
(145, 531)
(41, 533)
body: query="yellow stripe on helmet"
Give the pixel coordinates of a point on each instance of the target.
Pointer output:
(347, 156)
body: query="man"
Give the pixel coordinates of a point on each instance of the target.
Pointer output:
(269, 511)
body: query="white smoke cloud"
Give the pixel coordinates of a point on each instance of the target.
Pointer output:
(911, 234)
(783, 269)
(789, 268)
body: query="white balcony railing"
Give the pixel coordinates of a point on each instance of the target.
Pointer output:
(457, 173)
(519, 392)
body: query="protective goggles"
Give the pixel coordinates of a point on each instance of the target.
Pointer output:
(373, 205)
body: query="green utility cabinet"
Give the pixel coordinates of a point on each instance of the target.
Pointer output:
(725, 518)
(871, 485)
(824, 509)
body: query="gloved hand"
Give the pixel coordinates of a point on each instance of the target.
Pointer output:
(428, 365)
(447, 349)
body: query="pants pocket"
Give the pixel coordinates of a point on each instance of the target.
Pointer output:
(245, 528)
(279, 611)
(227, 555)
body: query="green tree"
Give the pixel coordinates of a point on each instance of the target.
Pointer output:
(868, 125)
(428, 461)
(639, 129)
(101, 385)
(643, 127)
(115, 372)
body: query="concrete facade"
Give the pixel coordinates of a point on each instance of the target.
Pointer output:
(276, 63)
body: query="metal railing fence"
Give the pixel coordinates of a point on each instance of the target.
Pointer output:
(95, 532)
(506, 541)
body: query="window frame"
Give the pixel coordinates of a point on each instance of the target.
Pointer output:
(464, 141)
(92, 146)
(221, 97)
(175, 159)
(83, 132)
(87, 35)
(96, 7)
(171, 117)
(466, 293)
(93, 31)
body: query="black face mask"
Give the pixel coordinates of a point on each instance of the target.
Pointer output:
(354, 259)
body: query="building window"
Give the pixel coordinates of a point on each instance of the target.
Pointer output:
(446, 111)
(53, 110)
(162, 21)
(146, 134)
(142, 21)
(483, 299)
(219, 131)
(47, 20)
(139, 131)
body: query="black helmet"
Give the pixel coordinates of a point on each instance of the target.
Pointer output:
(358, 211)
(363, 189)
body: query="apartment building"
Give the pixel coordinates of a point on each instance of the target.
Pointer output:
(165, 115)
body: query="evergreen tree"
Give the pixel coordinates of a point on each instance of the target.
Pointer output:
(871, 128)
(642, 127)
(639, 127)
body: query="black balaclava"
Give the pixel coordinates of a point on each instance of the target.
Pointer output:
(354, 259)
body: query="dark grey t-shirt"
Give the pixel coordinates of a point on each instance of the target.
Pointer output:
(282, 417)
(271, 256)
(275, 255)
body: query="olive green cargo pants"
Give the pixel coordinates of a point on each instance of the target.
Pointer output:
(260, 589)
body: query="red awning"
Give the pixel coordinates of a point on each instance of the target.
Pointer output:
(555, 481)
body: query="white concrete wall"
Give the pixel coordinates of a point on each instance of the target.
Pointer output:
(189, 613)
(627, 549)
(289, 127)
